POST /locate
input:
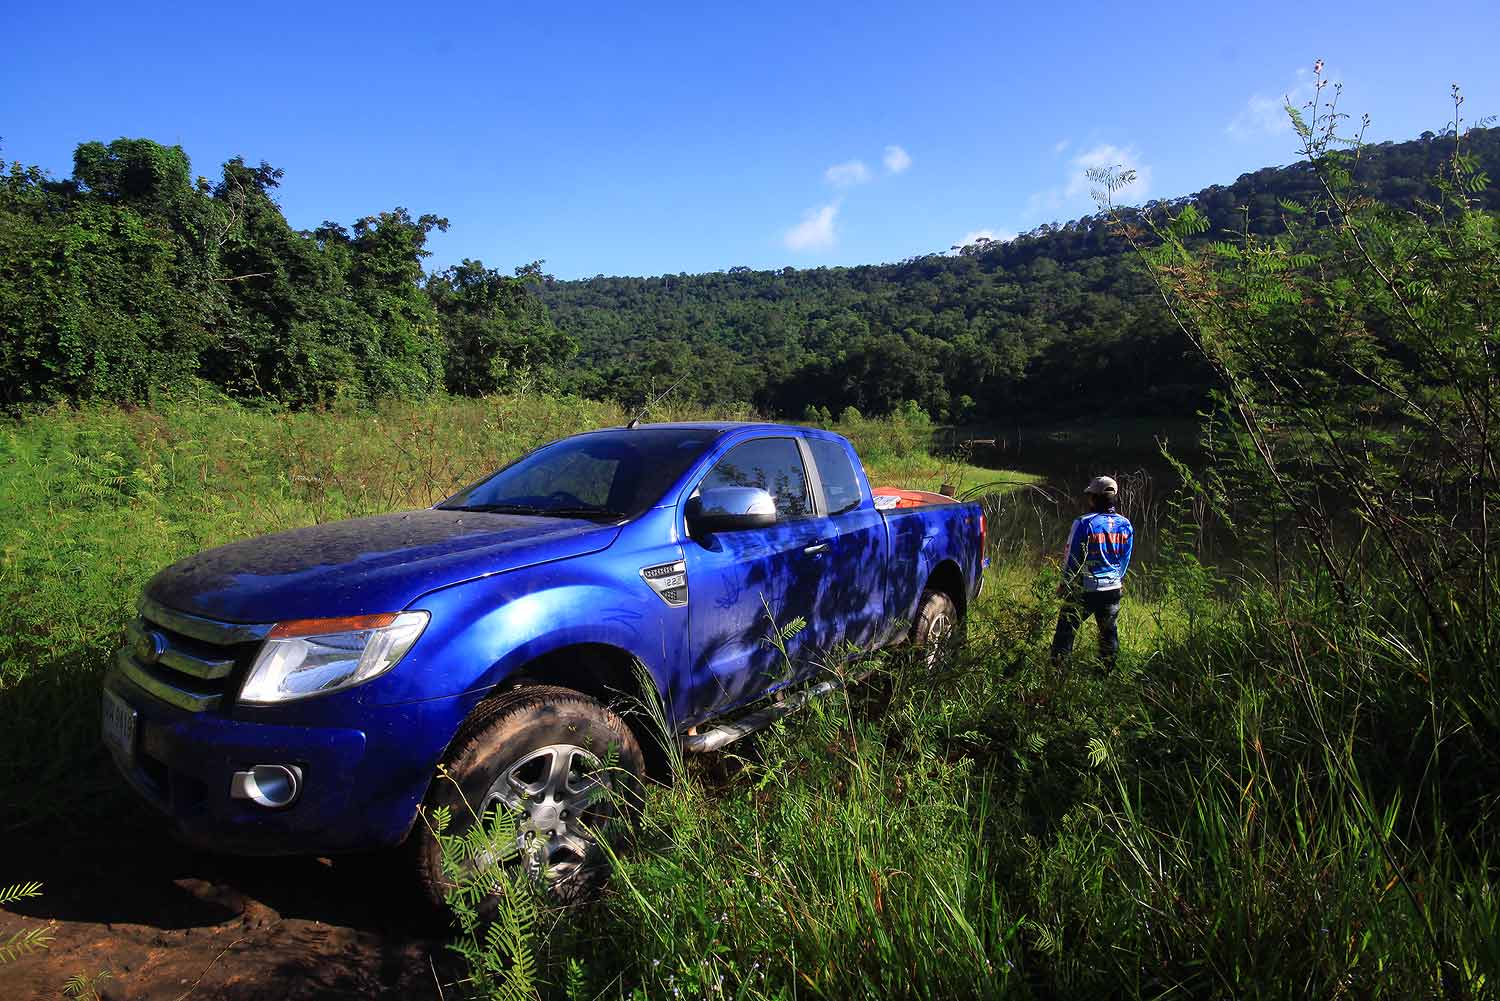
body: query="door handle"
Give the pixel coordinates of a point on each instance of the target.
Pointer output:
(816, 549)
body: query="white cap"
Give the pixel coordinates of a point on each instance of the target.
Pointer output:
(1102, 485)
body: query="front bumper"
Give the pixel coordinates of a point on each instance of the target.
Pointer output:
(361, 787)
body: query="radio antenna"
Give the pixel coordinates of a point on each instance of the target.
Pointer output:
(651, 403)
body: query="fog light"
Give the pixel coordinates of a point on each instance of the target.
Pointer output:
(268, 785)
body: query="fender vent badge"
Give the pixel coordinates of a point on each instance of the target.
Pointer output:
(669, 581)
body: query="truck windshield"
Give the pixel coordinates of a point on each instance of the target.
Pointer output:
(605, 475)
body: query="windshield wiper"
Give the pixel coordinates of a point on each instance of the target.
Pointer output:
(543, 512)
(583, 512)
(497, 508)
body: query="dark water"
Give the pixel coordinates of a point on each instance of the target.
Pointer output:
(1066, 457)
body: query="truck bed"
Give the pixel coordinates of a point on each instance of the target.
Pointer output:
(888, 498)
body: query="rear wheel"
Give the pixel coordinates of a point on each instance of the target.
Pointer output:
(938, 626)
(563, 764)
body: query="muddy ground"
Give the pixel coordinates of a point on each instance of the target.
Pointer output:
(171, 923)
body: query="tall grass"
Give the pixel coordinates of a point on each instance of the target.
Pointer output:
(1004, 828)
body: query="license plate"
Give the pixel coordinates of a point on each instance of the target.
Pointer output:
(119, 724)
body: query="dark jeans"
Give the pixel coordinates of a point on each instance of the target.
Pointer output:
(1104, 606)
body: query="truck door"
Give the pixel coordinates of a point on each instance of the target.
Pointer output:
(744, 584)
(854, 591)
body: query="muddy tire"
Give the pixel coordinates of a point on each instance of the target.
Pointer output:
(569, 767)
(938, 626)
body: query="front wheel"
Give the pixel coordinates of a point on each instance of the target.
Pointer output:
(938, 626)
(563, 764)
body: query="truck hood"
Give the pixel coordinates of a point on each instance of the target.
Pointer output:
(367, 565)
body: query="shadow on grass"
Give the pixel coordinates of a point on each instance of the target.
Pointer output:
(134, 871)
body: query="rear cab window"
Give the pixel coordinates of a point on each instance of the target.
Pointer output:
(841, 491)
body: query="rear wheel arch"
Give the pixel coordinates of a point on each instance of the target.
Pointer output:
(940, 615)
(947, 578)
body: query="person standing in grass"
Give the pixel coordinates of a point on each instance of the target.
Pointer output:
(1093, 579)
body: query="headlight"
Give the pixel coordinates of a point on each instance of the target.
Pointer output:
(311, 656)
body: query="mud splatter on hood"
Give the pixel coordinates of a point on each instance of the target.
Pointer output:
(366, 565)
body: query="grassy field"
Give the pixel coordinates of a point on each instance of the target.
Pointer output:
(1004, 828)
(1240, 809)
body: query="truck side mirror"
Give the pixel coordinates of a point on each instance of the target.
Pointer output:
(730, 509)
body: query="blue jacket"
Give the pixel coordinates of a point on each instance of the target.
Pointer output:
(1099, 550)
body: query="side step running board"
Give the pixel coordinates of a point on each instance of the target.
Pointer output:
(725, 733)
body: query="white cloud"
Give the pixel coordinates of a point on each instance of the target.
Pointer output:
(1264, 115)
(842, 175)
(993, 235)
(1075, 195)
(815, 231)
(1061, 145)
(896, 159)
(1261, 116)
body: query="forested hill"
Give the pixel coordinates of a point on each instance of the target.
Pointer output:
(135, 275)
(1058, 320)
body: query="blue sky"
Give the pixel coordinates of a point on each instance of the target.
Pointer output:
(652, 138)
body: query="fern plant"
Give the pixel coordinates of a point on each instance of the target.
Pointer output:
(20, 891)
(82, 988)
(27, 940)
(494, 901)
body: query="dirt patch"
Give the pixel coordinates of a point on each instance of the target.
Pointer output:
(171, 922)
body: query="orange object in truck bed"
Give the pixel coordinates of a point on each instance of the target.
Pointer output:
(887, 498)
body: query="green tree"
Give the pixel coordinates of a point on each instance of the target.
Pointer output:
(496, 331)
(99, 295)
(397, 344)
(131, 276)
(285, 329)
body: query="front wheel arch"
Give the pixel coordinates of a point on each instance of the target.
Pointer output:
(616, 678)
(608, 674)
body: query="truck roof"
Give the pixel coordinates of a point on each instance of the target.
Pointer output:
(720, 426)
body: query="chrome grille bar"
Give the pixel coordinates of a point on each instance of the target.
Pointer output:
(207, 630)
(170, 694)
(176, 659)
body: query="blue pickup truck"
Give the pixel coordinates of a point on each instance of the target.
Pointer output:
(297, 693)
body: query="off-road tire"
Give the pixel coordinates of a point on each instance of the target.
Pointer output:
(505, 730)
(937, 626)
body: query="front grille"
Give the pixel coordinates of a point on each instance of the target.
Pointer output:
(185, 660)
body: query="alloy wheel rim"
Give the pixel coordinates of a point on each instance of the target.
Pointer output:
(550, 790)
(939, 632)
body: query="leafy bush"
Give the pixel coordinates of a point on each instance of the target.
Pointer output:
(129, 278)
(908, 431)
